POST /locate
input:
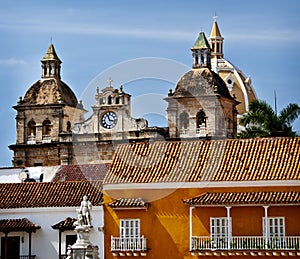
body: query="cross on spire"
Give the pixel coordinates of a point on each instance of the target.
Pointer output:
(109, 80)
(215, 17)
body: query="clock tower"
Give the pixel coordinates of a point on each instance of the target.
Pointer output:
(110, 124)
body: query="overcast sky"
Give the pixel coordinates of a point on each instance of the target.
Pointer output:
(262, 38)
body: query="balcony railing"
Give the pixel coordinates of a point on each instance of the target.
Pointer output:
(31, 140)
(201, 132)
(246, 243)
(128, 244)
(46, 139)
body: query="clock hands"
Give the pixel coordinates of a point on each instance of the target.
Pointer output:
(109, 120)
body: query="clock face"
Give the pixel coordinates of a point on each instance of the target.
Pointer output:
(109, 120)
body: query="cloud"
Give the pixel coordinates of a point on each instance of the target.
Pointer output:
(279, 35)
(11, 62)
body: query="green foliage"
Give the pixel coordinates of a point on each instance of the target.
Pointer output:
(262, 121)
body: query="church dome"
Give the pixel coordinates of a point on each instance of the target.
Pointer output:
(50, 89)
(201, 82)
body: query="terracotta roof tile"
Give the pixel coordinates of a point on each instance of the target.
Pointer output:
(49, 194)
(129, 203)
(207, 160)
(244, 198)
(8, 225)
(88, 172)
(66, 224)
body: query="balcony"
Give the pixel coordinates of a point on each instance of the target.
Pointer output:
(200, 132)
(128, 246)
(245, 243)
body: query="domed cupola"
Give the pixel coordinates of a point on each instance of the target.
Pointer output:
(51, 64)
(201, 52)
(50, 89)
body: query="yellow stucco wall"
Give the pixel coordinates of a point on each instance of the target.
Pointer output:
(165, 223)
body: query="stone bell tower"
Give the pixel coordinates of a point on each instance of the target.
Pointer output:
(44, 117)
(201, 105)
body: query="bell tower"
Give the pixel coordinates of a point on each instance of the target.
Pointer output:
(44, 118)
(201, 105)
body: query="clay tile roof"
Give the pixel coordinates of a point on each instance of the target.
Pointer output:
(129, 203)
(66, 224)
(8, 225)
(89, 172)
(259, 159)
(49, 194)
(244, 198)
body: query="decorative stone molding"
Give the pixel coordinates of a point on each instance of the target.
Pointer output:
(129, 253)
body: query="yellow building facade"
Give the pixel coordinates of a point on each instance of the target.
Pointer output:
(204, 198)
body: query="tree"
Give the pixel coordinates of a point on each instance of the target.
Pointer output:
(263, 121)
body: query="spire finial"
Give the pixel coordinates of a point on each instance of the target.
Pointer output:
(51, 40)
(215, 17)
(109, 80)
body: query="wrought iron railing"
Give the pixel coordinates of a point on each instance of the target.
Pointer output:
(246, 243)
(128, 244)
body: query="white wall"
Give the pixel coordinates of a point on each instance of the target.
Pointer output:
(45, 240)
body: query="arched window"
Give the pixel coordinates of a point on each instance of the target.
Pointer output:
(201, 119)
(31, 128)
(46, 127)
(109, 100)
(117, 100)
(184, 120)
(68, 126)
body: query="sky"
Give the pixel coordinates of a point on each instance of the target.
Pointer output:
(92, 38)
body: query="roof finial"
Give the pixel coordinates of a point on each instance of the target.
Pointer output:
(51, 40)
(215, 17)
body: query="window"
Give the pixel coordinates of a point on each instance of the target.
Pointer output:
(109, 100)
(276, 227)
(68, 126)
(129, 228)
(130, 238)
(46, 127)
(201, 119)
(219, 227)
(70, 240)
(13, 247)
(31, 128)
(184, 120)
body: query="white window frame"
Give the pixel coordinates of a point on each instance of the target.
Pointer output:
(130, 228)
(219, 227)
(276, 227)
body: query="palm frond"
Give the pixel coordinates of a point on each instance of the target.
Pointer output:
(289, 114)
